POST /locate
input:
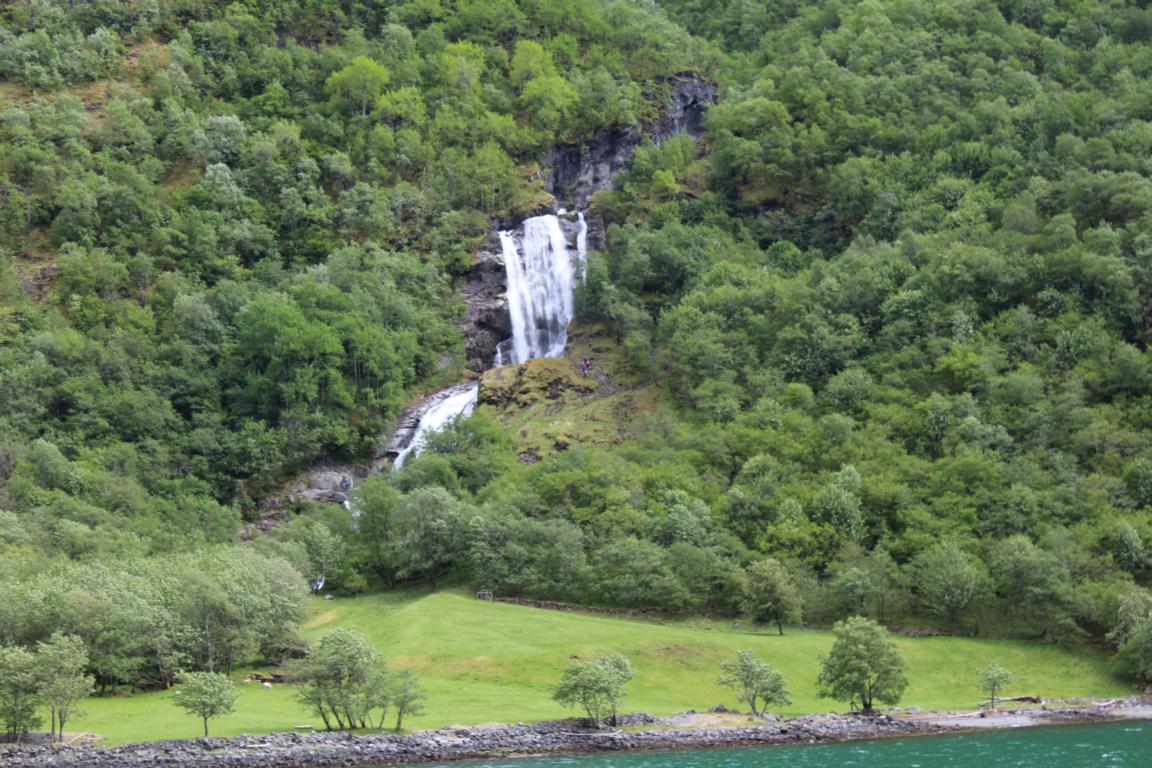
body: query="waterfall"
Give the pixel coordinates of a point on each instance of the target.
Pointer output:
(540, 283)
(455, 402)
(542, 270)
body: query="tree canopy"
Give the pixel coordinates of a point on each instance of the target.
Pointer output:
(864, 667)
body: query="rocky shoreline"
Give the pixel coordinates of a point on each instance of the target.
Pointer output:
(321, 750)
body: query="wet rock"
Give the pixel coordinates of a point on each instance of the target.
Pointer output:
(485, 321)
(329, 484)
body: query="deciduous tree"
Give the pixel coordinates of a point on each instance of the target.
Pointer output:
(864, 666)
(754, 681)
(595, 685)
(206, 695)
(771, 596)
(993, 678)
(61, 663)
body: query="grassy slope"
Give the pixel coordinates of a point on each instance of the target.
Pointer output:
(484, 662)
(546, 406)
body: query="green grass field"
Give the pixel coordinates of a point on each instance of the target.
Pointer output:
(489, 662)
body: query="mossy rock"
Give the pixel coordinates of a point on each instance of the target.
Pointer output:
(549, 406)
(533, 382)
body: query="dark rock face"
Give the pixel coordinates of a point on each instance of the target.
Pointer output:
(579, 171)
(330, 484)
(486, 322)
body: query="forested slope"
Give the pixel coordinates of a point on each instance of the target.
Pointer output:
(895, 299)
(230, 231)
(899, 293)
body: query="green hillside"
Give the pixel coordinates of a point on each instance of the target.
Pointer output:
(877, 330)
(484, 662)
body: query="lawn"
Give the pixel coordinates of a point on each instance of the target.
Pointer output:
(489, 662)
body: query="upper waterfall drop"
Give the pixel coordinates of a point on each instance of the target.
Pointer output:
(541, 271)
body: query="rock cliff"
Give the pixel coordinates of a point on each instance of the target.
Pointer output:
(573, 174)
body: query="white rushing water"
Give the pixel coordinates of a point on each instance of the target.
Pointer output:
(455, 403)
(541, 279)
(582, 246)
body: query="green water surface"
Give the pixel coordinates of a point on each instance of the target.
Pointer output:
(1113, 745)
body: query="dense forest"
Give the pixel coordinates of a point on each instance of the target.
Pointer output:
(896, 300)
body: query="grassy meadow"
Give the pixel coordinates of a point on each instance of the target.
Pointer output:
(489, 662)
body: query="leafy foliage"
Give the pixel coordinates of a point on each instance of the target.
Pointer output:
(864, 667)
(595, 685)
(206, 695)
(993, 679)
(756, 683)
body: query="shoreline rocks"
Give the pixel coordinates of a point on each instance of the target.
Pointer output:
(319, 750)
(686, 731)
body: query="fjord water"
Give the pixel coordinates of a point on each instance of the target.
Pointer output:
(1112, 745)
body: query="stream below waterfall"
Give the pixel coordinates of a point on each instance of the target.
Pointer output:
(542, 264)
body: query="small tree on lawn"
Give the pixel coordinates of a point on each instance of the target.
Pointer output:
(407, 696)
(206, 695)
(754, 680)
(993, 679)
(596, 686)
(771, 596)
(864, 666)
(61, 663)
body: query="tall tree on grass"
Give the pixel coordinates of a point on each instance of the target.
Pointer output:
(771, 596)
(426, 533)
(206, 695)
(864, 666)
(19, 692)
(993, 678)
(347, 681)
(754, 681)
(949, 582)
(61, 663)
(595, 685)
(1135, 652)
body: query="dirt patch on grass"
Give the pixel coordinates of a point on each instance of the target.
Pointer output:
(321, 619)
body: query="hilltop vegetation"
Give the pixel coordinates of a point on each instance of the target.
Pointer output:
(883, 330)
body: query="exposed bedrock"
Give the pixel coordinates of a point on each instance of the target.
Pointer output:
(578, 171)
